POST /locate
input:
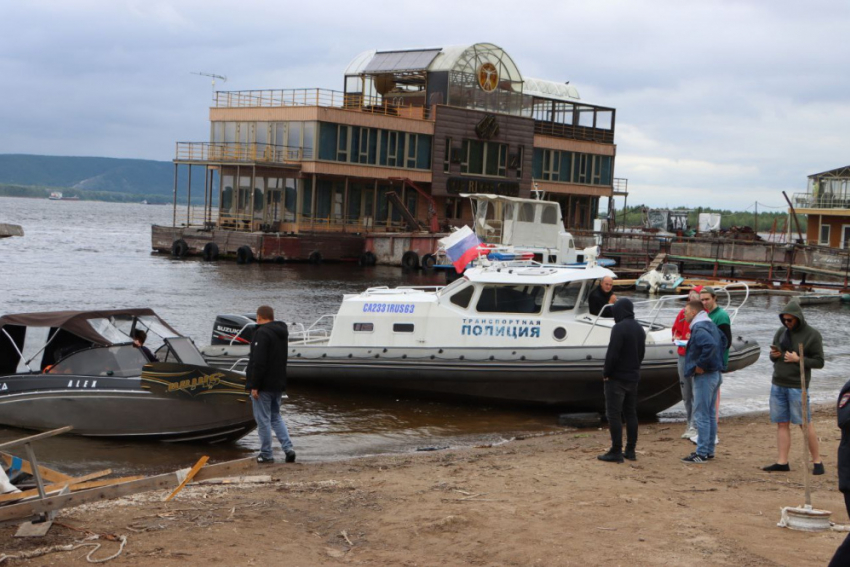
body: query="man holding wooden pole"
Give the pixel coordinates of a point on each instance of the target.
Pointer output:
(786, 392)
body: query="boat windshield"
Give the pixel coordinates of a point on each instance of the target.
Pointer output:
(565, 296)
(116, 329)
(185, 351)
(511, 299)
(121, 360)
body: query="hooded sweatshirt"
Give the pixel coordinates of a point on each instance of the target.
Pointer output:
(627, 345)
(787, 374)
(266, 369)
(843, 412)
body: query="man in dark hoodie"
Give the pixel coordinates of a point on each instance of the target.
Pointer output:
(266, 380)
(786, 393)
(842, 554)
(621, 375)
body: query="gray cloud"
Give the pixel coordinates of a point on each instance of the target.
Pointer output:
(717, 103)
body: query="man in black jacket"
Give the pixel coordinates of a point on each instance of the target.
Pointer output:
(266, 380)
(842, 554)
(621, 375)
(602, 295)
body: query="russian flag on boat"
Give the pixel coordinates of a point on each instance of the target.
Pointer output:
(462, 247)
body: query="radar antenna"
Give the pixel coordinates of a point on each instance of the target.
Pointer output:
(214, 77)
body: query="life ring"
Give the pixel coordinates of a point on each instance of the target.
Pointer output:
(244, 255)
(179, 248)
(428, 262)
(410, 260)
(315, 257)
(210, 252)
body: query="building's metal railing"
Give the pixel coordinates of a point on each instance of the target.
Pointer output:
(821, 200)
(273, 98)
(239, 152)
(571, 132)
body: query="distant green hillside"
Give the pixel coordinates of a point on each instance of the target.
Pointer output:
(93, 177)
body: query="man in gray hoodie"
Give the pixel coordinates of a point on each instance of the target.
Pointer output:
(786, 403)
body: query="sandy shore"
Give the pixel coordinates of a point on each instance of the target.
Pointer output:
(536, 501)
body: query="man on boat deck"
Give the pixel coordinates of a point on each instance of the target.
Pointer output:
(621, 374)
(139, 338)
(786, 393)
(602, 295)
(266, 380)
(703, 363)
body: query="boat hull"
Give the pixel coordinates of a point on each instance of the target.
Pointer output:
(168, 402)
(569, 378)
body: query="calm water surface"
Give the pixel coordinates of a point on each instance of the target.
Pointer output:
(88, 255)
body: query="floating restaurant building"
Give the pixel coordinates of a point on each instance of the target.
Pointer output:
(376, 170)
(826, 203)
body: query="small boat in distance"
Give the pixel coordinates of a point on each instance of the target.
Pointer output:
(667, 279)
(57, 196)
(514, 332)
(81, 368)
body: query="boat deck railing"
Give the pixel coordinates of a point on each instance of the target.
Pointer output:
(318, 332)
(665, 303)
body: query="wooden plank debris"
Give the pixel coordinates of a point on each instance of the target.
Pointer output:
(32, 507)
(201, 462)
(255, 479)
(46, 473)
(54, 487)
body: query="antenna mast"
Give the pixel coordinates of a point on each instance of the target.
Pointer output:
(214, 77)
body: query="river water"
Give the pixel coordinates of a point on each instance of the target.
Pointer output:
(80, 255)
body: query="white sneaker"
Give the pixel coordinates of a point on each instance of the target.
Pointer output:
(689, 432)
(695, 440)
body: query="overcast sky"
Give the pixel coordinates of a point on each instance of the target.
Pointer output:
(718, 102)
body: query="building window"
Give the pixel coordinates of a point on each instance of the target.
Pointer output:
(824, 234)
(342, 145)
(519, 157)
(484, 158)
(447, 155)
(551, 165)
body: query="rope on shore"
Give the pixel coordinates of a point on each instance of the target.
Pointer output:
(41, 551)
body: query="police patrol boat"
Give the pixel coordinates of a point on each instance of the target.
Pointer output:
(81, 368)
(517, 332)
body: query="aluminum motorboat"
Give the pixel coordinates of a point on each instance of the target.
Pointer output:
(81, 368)
(515, 332)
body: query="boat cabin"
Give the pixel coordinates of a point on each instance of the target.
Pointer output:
(496, 305)
(89, 343)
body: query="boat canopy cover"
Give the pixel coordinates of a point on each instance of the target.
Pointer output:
(78, 322)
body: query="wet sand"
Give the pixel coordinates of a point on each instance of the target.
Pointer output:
(542, 500)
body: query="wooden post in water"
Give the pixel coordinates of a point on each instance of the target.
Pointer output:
(805, 429)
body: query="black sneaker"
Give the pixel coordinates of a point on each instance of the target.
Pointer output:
(818, 469)
(261, 460)
(695, 458)
(630, 455)
(290, 456)
(611, 457)
(776, 467)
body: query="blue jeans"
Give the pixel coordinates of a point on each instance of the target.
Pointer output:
(687, 386)
(267, 416)
(786, 405)
(705, 399)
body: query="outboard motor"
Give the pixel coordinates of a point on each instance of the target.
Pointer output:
(233, 329)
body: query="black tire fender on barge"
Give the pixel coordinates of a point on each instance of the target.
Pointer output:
(179, 248)
(428, 262)
(367, 259)
(210, 252)
(410, 260)
(244, 255)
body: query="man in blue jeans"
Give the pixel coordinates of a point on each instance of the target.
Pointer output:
(266, 380)
(703, 362)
